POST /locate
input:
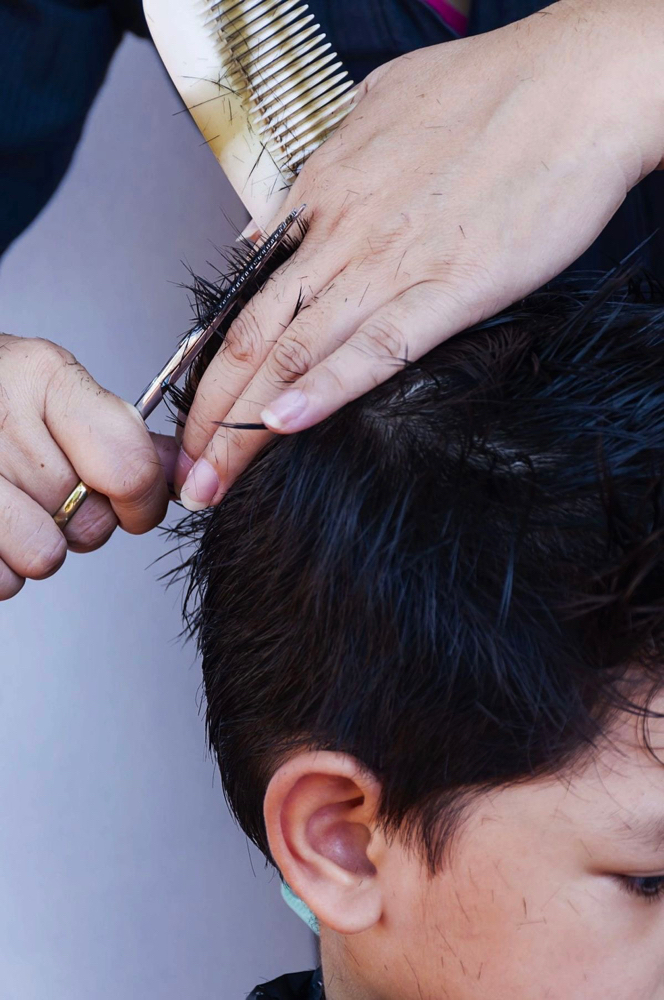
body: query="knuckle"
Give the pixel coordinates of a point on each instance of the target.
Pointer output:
(317, 185)
(199, 427)
(37, 349)
(9, 345)
(136, 478)
(51, 356)
(465, 292)
(388, 242)
(55, 351)
(330, 378)
(244, 342)
(61, 370)
(381, 336)
(37, 365)
(10, 583)
(291, 358)
(92, 527)
(372, 78)
(380, 73)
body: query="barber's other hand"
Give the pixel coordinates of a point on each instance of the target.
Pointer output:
(469, 174)
(57, 426)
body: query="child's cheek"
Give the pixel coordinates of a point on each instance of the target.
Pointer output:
(494, 921)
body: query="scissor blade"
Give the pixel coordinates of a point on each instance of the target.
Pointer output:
(194, 342)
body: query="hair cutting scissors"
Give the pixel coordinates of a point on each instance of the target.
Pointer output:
(189, 349)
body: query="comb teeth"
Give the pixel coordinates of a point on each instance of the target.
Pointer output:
(281, 65)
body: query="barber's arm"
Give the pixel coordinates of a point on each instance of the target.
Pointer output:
(469, 174)
(56, 423)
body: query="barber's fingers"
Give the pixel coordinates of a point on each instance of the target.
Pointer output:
(315, 333)
(251, 338)
(312, 267)
(92, 525)
(95, 521)
(32, 461)
(108, 445)
(31, 544)
(59, 426)
(10, 582)
(167, 449)
(403, 330)
(325, 378)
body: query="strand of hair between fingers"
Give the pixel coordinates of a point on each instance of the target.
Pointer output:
(239, 426)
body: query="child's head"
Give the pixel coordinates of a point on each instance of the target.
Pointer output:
(431, 627)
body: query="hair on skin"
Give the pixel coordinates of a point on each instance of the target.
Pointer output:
(206, 298)
(457, 579)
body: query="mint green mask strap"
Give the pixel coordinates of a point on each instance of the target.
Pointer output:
(298, 906)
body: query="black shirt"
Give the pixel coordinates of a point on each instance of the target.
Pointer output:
(54, 55)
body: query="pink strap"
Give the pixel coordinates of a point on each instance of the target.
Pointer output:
(457, 21)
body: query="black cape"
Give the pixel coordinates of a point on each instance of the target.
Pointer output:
(299, 986)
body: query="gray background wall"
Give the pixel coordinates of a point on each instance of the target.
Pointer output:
(121, 873)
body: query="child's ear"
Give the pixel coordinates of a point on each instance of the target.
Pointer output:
(320, 811)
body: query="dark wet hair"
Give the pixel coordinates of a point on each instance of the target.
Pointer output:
(453, 578)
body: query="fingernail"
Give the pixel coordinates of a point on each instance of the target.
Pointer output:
(183, 466)
(285, 410)
(200, 486)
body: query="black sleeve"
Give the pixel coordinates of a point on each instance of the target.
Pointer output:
(53, 58)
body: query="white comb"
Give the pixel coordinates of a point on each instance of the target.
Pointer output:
(261, 83)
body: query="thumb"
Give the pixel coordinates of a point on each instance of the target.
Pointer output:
(108, 445)
(167, 449)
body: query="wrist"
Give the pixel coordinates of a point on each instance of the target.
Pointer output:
(621, 45)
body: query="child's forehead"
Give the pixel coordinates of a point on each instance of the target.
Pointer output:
(617, 785)
(626, 761)
(634, 739)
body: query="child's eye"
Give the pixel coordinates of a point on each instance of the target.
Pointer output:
(650, 887)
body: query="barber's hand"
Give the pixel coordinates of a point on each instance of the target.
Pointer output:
(468, 175)
(57, 425)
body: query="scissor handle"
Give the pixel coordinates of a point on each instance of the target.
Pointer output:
(188, 351)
